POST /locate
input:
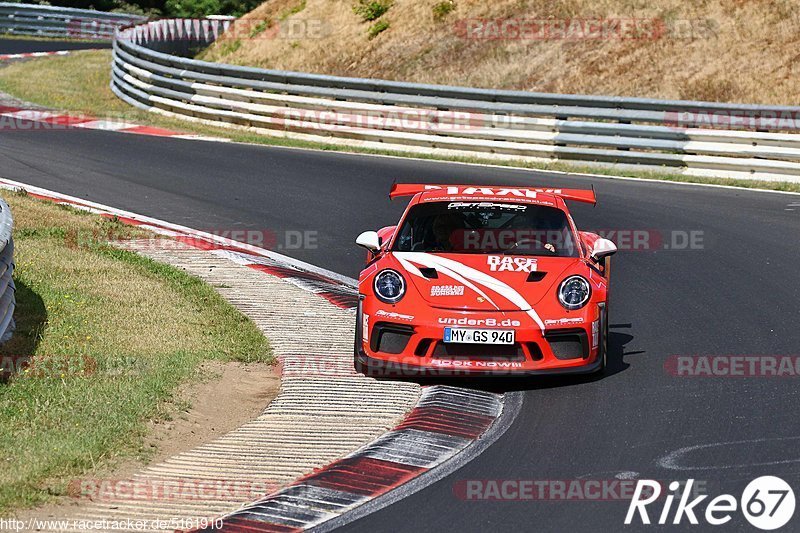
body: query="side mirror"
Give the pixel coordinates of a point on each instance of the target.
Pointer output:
(602, 249)
(370, 241)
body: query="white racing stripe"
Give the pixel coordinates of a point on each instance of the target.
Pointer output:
(408, 265)
(447, 272)
(504, 290)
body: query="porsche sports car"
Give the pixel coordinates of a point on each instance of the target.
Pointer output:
(483, 280)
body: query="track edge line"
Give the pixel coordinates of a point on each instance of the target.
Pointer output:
(512, 405)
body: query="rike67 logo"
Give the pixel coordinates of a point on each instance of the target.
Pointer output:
(767, 503)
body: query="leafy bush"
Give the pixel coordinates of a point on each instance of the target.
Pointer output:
(442, 9)
(370, 10)
(155, 7)
(202, 8)
(377, 28)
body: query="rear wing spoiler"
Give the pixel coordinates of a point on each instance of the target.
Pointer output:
(410, 189)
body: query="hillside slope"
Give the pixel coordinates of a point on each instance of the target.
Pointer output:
(724, 50)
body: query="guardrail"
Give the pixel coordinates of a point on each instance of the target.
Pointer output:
(681, 137)
(52, 21)
(7, 299)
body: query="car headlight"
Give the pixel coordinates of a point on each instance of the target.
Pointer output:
(574, 292)
(389, 286)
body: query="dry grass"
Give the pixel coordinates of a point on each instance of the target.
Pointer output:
(723, 50)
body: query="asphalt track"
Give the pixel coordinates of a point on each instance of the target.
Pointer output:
(737, 294)
(21, 46)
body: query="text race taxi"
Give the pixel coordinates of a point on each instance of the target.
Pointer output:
(483, 280)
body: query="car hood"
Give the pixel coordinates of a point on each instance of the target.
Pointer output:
(481, 282)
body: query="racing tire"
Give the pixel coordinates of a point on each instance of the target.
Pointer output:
(359, 366)
(604, 324)
(604, 342)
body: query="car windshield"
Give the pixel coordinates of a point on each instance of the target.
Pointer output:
(486, 228)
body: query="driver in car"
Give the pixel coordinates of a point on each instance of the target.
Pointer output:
(443, 228)
(539, 238)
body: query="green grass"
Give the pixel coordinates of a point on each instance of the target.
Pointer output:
(229, 47)
(260, 27)
(370, 10)
(442, 9)
(295, 9)
(79, 82)
(378, 28)
(112, 336)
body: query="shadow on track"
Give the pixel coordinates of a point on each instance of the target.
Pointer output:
(616, 364)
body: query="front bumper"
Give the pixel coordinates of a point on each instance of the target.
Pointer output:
(533, 354)
(382, 368)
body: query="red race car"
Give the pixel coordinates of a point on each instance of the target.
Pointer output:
(483, 281)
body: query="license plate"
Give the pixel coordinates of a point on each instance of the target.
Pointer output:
(479, 336)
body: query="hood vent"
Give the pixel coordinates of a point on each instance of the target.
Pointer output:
(429, 272)
(536, 276)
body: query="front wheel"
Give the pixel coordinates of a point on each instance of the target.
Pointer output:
(604, 333)
(359, 366)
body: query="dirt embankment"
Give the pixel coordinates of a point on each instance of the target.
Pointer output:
(720, 50)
